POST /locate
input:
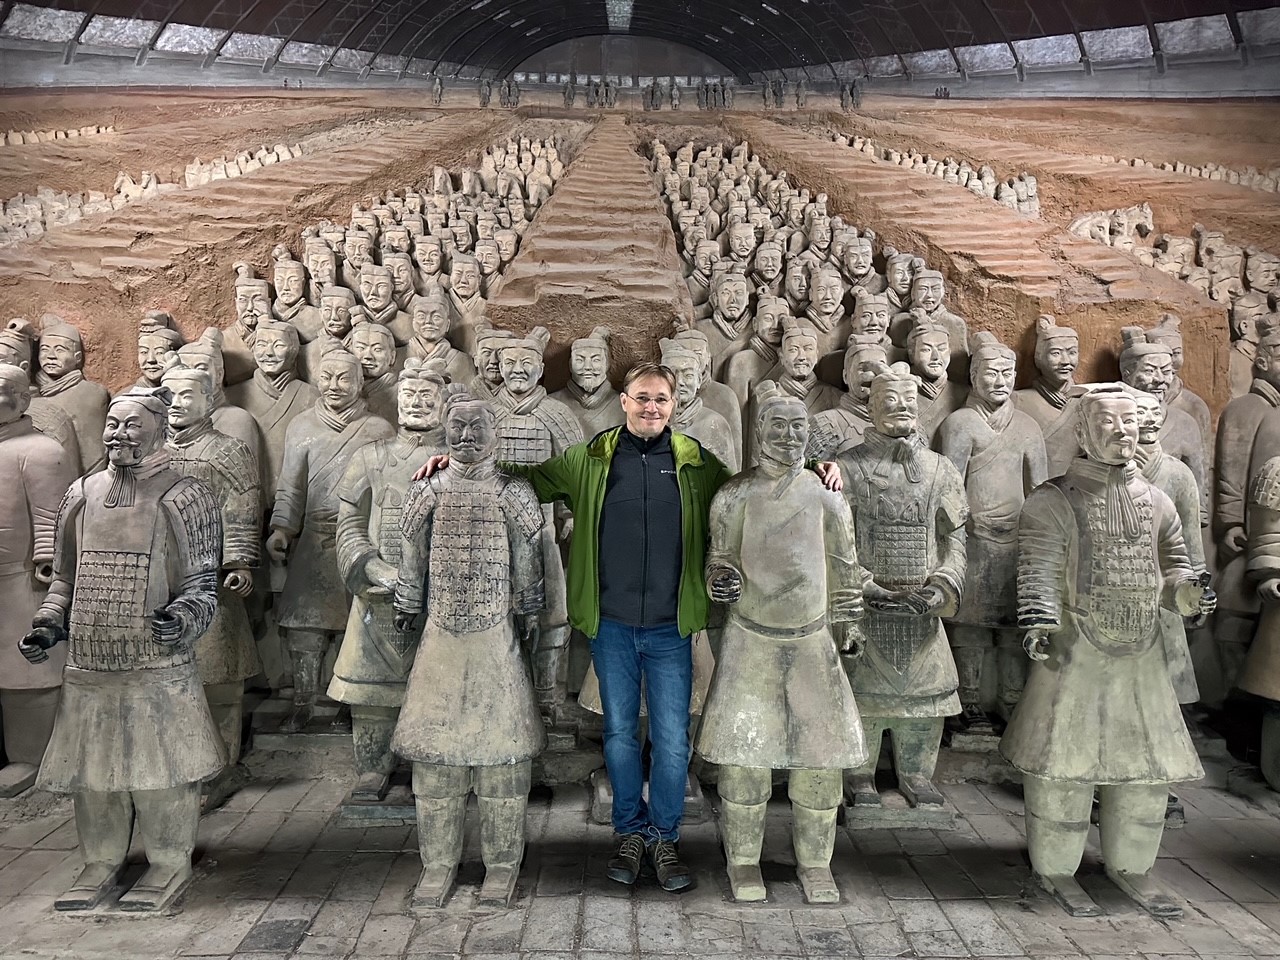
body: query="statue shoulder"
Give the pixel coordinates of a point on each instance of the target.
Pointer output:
(559, 417)
(232, 458)
(419, 504)
(520, 505)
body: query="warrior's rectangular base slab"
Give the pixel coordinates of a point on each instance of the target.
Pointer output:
(1246, 781)
(695, 804)
(894, 812)
(396, 809)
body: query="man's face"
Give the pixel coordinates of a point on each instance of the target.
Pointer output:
(784, 431)
(742, 240)
(588, 365)
(931, 355)
(335, 314)
(688, 373)
(488, 258)
(647, 405)
(418, 404)
(1058, 359)
(290, 285)
(899, 277)
(14, 400)
(376, 290)
(927, 292)
(894, 409)
(465, 279)
(769, 263)
(768, 322)
(358, 251)
(131, 433)
(857, 259)
(994, 380)
(797, 282)
(1109, 430)
(59, 356)
(252, 305)
(152, 353)
(732, 297)
(1153, 374)
(799, 355)
(375, 351)
(826, 294)
(274, 352)
(338, 383)
(470, 433)
(430, 320)
(427, 256)
(871, 317)
(190, 404)
(521, 369)
(1150, 418)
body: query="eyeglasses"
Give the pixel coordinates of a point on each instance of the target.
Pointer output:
(660, 403)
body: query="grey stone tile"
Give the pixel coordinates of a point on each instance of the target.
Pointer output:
(439, 935)
(938, 943)
(879, 939)
(363, 877)
(919, 916)
(385, 936)
(660, 928)
(826, 941)
(552, 924)
(771, 939)
(980, 929)
(607, 924)
(217, 927)
(314, 945)
(268, 935)
(497, 933)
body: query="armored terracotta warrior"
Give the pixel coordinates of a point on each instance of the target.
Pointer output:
(319, 443)
(336, 306)
(1260, 675)
(588, 393)
(431, 317)
(1000, 453)
(844, 424)
(374, 660)
(37, 472)
(206, 354)
(1049, 401)
(225, 654)
(375, 348)
(376, 292)
(158, 337)
(692, 417)
(929, 350)
(135, 579)
(253, 305)
(1100, 552)
(783, 558)
(467, 301)
(748, 367)
(274, 396)
(487, 360)
(927, 291)
(1174, 479)
(473, 563)
(909, 510)
(533, 428)
(728, 326)
(1176, 396)
(290, 280)
(61, 382)
(16, 340)
(716, 395)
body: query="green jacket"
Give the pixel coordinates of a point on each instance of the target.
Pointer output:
(578, 478)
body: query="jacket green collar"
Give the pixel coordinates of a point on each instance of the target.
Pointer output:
(686, 451)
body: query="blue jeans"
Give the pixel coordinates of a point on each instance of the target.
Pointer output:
(622, 656)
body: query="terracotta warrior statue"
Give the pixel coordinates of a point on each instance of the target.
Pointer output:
(1000, 453)
(748, 367)
(844, 425)
(467, 301)
(472, 562)
(431, 318)
(377, 297)
(929, 352)
(728, 326)
(61, 381)
(274, 396)
(858, 266)
(374, 660)
(37, 472)
(692, 417)
(899, 270)
(588, 393)
(487, 360)
(1244, 315)
(290, 280)
(766, 269)
(927, 292)
(314, 605)
(1176, 396)
(17, 340)
(135, 580)
(826, 311)
(225, 654)
(533, 428)
(1049, 401)
(158, 336)
(783, 559)
(253, 305)
(910, 511)
(206, 354)
(1100, 552)
(336, 318)
(375, 347)
(1260, 675)
(716, 395)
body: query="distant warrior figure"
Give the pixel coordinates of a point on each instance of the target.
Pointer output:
(1000, 453)
(783, 559)
(728, 327)
(716, 395)
(290, 304)
(37, 472)
(158, 336)
(909, 510)
(927, 291)
(588, 393)
(437, 91)
(899, 269)
(844, 425)
(61, 381)
(858, 266)
(1260, 675)
(466, 300)
(17, 339)
(1176, 396)
(485, 92)
(1100, 552)
(570, 92)
(374, 659)
(431, 318)
(692, 417)
(336, 306)
(748, 367)
(929, 352)
(1244, 315)
(225, 655)
(377, 294)
(253, 305)
(206, 354)
(375, 348)
(313, 605)
(135, 580)
(473, 563)
(487, 361)
(1049, 400)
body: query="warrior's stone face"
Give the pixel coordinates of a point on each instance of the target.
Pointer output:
(274, 352)
(396, 239)
(894, 408)
(704, 258)
(521, 369)
(1108, 431)
(376, 289)
(470, 432)
(588, 365)
(1262, 272)
(428, 258)
(14, 356)
(338, 383)
(826, 294)
(418, 404)
(1174, 342)
(507, 241)
(731, 297)
(15, 396)
(742, 240)
(464, 278)
(322, 267)
(927, 292)
(462, 236)
(401, 268)
(335, 314)
(898, 276)
(993, 379)
(871, 317)
(1266, 364)
(190, 403)
(1153, 373)
(820, 235)
(931, 355)
(488, 360)
(769, 262)
(1057, 360)
(152, 353)
(799, 355)
(857, 258)
(358, 250)
(797, 282)
(783, 431)
(374, 348)
(768, 321)
(860, 369)
(252, 304)
(1151, 418)
(59, 356)
(487, 256)
(1244, 319)
(211, 363)
(290, 283)
(688, 371)
(430, 320)
(132, 432)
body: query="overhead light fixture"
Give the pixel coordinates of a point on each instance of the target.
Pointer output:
(747, 20)
(530, 33)
(479, 3)
(769, 9)
(619, 14)
(516, 23)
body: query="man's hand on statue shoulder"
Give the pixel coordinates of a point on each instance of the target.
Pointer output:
(828, 472)
(439, 462)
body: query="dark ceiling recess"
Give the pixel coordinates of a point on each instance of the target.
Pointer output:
(745, 35)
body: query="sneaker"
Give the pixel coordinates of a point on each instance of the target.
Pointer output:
(673, 876)
(625, 864)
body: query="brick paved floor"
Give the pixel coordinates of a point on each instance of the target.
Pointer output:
(279, 878)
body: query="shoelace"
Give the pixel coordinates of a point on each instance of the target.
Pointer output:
(664, 854)
(631, 848)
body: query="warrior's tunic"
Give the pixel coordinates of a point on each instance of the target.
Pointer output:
(85, 404)
(595, 411)
(1261, 672)
(273, 403)
(1057, 415)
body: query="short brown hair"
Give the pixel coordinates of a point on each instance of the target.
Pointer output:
(647, 369)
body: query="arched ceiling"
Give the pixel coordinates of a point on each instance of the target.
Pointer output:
(746, 35)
